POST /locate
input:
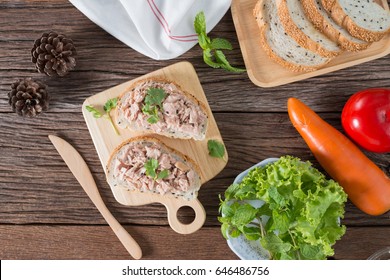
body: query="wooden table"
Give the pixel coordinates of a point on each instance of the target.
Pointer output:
(45, 214)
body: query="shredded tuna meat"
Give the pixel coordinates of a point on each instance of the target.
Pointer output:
(179, 113)
(129, 168)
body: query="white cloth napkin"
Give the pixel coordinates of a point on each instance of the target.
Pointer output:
(159, 29)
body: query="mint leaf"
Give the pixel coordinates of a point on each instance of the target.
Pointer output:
(222, 44)
(208, 59)
(221, 58)
(244, 214)
(274, 244)
(251, 233)
(216, 149)
(200, 23)
(212, 54)
(204, 41)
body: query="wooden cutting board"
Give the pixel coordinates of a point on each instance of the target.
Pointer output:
(106, 140)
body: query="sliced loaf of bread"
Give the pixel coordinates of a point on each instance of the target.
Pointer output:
(279, 46)
(297, 26)
(316, 13)
(364, 19)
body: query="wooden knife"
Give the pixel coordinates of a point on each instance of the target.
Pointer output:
(83, 175)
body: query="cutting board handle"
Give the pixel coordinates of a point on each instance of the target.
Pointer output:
(179, 227)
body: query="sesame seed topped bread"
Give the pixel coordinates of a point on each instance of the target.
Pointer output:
(127, 168)
(279, 46)
(364, 19)
(316, 13)
(302, 30)
(180, 115)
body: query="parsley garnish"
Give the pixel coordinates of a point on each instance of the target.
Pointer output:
(212, 48)
(108, 106)
(153, 103)
(151, 166)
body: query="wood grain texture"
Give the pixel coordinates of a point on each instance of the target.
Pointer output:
(41, 202)
(99, 242)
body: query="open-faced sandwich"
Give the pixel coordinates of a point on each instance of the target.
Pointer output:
(145, 164)
(162, 107)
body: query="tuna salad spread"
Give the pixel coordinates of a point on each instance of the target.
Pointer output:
(130, 165)
(163, 108)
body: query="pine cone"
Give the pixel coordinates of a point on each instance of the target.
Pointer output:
(54, 54)
(28, 97)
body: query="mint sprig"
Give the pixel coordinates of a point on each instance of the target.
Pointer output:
(212, 48)
(153, 103)
(108, 106)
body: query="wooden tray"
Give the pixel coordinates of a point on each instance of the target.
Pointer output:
(105, 141)
(264, 72)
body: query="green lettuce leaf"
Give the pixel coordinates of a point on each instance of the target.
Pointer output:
(301, 215)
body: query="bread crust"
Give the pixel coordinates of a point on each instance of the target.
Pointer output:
(298, 35)
(123, 123)
(322, 24)
(258, 13)
(340, 17)
(150, 139)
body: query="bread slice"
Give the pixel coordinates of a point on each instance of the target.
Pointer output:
(316, 13)
(126, 169)
(180, 115)
(297, 26)
(364, 19)
(279, 46)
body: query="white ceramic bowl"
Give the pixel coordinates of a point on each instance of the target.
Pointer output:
(243, 248)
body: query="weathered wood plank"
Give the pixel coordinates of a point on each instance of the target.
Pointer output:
(99, 242)
(37, 188)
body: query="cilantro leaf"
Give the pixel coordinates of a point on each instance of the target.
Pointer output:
(108, 106)
(216, 149)
(153, 103)
(151, 166)
(212, 54)
(163, 174)
(96, 113)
